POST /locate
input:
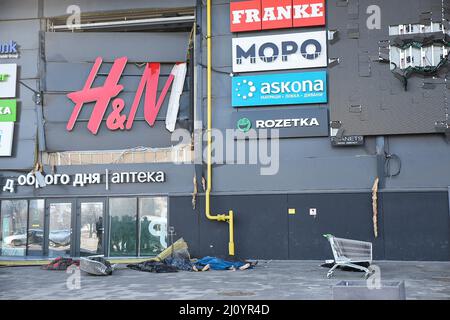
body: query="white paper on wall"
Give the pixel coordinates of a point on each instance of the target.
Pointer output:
(179, 72)
(6, 138)
(8, 86)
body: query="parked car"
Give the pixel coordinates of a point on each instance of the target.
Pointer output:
(57, 238)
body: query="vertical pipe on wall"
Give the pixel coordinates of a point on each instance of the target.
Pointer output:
(220, 217)
(381, 159)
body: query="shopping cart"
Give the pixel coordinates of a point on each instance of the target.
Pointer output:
(347, 253)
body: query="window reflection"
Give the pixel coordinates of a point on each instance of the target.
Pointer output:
(60, 229)
(153, 225)
(123, 238)
(36, 227)
(91, 233)
(13, 230)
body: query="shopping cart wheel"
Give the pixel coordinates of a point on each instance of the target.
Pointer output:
(329, 275)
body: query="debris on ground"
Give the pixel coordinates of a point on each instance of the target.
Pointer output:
(61, 263)
(177, 258)
(96, 265)
(153, 266)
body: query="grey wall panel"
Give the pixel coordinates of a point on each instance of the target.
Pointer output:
(138, 47)
(386, 107)
(27, 64)
(59, 139)
(58, 8)
(23, 9)
(342, 215)
(70, 58)
(58, 108)
(22, 155)
(68, 77)
(26, 95)
(298, 174)
(186, 222)
(425, 162)
(260, 227)
(26, 124)
(416, 226)
(24, 32)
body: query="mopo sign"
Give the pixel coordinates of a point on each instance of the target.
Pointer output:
(276, 14)
(279, 52)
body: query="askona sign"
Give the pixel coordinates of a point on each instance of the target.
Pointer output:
(279, 89)
(279, 52)
(276, 14)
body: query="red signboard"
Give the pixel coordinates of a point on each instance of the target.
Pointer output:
(103, 95)
(276, 14)
(307, 13)
(244, 16)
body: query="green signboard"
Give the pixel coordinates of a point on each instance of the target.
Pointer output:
(8, 109)
(4, 77)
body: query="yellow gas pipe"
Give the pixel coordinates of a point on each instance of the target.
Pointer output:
(220, 217)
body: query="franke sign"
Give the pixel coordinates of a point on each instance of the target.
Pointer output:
(276, 14)
(279, 52)
(102, 96)
(279, 89)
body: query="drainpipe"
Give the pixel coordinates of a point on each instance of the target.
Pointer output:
(381, 159)
(220, 217)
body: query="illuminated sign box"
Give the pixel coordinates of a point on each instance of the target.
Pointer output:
(8, 110)
(279, 52)
(292, 123)
(8, 80)
(279, 89)
(276, 14)
(6, 138)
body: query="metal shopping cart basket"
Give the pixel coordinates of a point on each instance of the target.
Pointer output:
(347, 253)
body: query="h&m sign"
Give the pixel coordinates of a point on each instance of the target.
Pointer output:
(279, 52)
(148, 87)
(276, 14)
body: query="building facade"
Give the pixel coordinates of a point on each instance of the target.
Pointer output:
(105, 108)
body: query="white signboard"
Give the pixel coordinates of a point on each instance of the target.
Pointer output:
(279, 52)
(6, 138)
(8, 77)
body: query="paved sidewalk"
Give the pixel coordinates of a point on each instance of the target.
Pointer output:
(269, 280)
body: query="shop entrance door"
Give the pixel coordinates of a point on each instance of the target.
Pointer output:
(90, 227)
(59, 221)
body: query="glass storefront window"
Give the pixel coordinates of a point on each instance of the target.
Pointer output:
(91, 230)
(13, 227)
(123, 217)
(36, 227)
(152, 225)
(60, 229)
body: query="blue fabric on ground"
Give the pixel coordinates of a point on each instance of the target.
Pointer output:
(218, 264)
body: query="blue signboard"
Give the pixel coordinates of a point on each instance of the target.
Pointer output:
(279, 89)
